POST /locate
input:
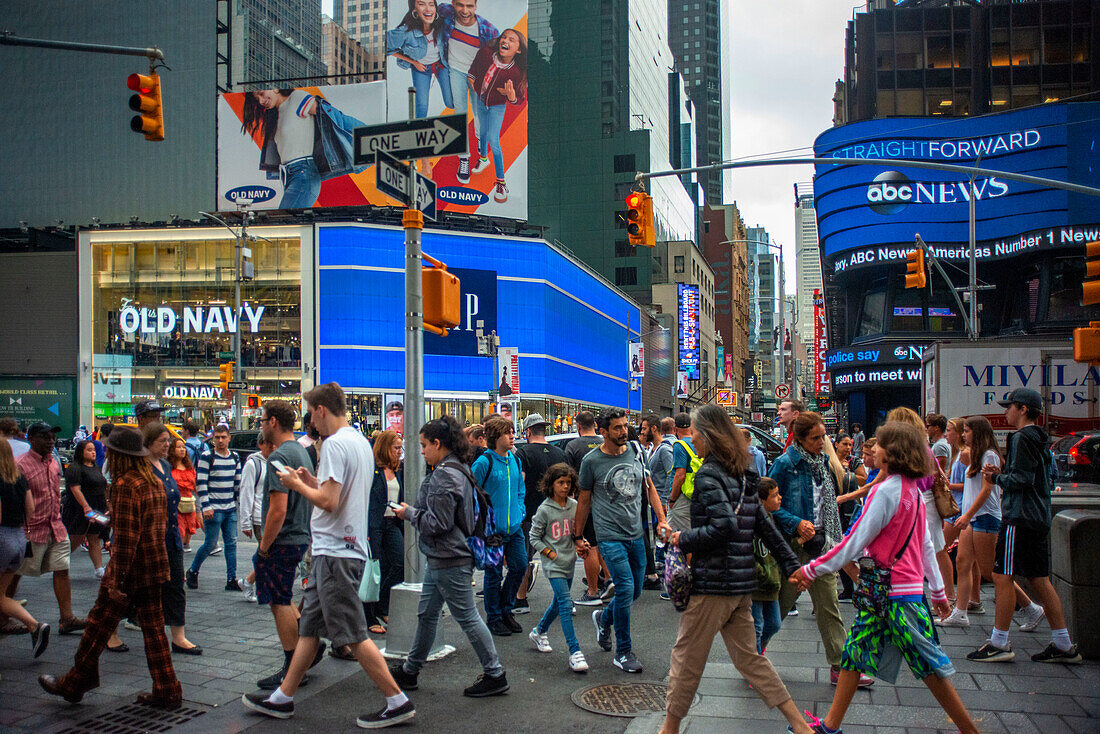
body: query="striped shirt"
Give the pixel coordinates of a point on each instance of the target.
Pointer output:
(218, 479)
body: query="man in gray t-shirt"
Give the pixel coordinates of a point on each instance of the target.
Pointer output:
(613, 478)
(936, 426)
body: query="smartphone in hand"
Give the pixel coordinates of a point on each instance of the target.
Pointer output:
(278, 465)
(395, 506)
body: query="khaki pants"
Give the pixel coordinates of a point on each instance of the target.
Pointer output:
(823, 593)
(706, 616)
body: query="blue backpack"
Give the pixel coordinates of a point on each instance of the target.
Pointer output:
(484, 541)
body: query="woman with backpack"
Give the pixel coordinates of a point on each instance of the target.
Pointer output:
(444, 516)
(725, 514)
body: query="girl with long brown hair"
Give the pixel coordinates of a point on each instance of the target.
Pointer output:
(16, 503)
(183, 471)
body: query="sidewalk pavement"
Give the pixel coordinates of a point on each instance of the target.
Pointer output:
(1015, 697)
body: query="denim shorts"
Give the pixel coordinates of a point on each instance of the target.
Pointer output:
(986, 524)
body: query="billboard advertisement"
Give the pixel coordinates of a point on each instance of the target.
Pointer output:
(821, 345)
(466, 58)
(688, 314)
(49, 399)
(509, 372)
(637, 359)
(869, 214)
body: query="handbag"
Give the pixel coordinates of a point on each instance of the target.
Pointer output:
(872, 592)
(187, 505)
(941, 493)
(371, 584)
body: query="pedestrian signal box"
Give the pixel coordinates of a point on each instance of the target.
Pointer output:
(442, 298)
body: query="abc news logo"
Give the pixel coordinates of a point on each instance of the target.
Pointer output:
(892, 191)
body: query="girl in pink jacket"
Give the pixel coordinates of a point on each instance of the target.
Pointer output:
(892, 531)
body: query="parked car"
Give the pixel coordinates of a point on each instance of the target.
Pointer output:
(766, 442)
(1077, 457)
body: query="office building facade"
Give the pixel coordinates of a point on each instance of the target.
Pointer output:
(277, 39)
(346, 59)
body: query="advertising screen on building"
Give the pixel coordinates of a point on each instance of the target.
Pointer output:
(688, 310)
(870, 214)
(467, 58)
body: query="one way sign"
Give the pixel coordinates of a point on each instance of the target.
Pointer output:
(429, 137)
(392, 178)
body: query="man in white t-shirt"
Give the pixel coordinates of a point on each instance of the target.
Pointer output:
(465, 32)
(330, 604)
(936, 426)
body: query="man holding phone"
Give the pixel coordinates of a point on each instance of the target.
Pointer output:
(285, 534)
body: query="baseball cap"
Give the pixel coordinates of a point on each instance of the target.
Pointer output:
(40, 427)
(1023, 396)
(395, 405)
(534, 419)
(683, 420)
(147, 406)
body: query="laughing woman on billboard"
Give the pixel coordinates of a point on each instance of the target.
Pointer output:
(305, 139)
(498, 78)
(418, 44)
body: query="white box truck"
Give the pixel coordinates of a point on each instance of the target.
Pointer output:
(964, 378)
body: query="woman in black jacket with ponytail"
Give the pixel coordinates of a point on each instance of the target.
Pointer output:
(725, 515)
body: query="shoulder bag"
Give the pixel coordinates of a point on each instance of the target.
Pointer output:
(872, 592)
(941, 493)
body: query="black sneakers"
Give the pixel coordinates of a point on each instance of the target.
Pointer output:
(603, 636)
(487, 685)
(40, 639)
(628, 663)
(1050, 654)
(510, 622)
(990, 653)
(498, 628)
(233, 585)
(259, 703)
(386, 717)
(192, 579)
(406, 681)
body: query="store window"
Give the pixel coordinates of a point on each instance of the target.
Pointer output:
(908, 310)
(873, 311)
(1066, 276)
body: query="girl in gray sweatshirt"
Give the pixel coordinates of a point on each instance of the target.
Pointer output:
(552, 538)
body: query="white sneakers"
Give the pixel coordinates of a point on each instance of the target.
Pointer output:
(248, 589)
(542, 642)
(577, 663)
(957, 618)
(481, 165)
(1031, 618)
(99, 572)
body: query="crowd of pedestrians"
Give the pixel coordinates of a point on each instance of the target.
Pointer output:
(848, 518)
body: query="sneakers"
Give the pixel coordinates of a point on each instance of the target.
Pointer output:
(577, 663)
(864, 680)
(542, 642)
(131, 626)
(975, 607)
(603, 637)
(665, 596)
(192, 579)
(463, 175)
(498, 628)
(957, 618)
(487, 685)
(1050, 654)
(481, 165)
(248, 589)
(188, 549)
(990, 653)
(386, 717)
(260, 703)
(628, 663)
(217, 550)
(500, 192)
(233, 585)
(1031, 620)
(608, 591)
(271, 682)
(407, 681)
(100, 572)
(793, 612)
(40, 640)
(589, 601)
(511, 623)
(522, 607)
(652, 584)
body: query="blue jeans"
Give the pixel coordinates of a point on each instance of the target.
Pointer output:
(766, 620)
(490, 120)
(451, 585)
(626, 562)
(301, 184)
(501, 597)
(226, 522)
(422, 83)
(561, 606)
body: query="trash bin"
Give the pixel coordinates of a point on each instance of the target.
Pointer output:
(1075, 573)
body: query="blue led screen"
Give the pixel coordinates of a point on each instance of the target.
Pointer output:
(870, 214)
(569, 348)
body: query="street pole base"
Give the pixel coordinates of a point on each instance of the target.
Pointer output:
(401, 630)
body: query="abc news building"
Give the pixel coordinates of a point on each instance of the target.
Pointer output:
(1029, 240)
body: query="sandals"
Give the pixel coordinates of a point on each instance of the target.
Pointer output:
(376, 629)
(341, 653)
(12, 627)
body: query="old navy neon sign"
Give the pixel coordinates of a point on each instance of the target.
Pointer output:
(194, 319)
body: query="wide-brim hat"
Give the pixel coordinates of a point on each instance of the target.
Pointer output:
(126, 441)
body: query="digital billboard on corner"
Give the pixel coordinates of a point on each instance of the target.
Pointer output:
(870, 214)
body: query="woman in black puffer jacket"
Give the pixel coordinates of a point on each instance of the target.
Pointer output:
(725, 514)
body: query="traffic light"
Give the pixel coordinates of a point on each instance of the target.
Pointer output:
(442, 298)
(915, 276)
(1086, 343)
(1090, 289)
(639, 219)
(252, 400)
(225, 375)
(150, 121)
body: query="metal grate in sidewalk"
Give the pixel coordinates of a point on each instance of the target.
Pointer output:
(134, 719)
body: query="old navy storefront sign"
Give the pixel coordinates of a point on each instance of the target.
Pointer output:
(190, 320)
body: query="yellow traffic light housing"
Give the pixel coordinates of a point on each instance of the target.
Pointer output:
(1086, 343)
(442, 297)
(915, 275)
(251, 400)
(225, 375)
(639, 219)
(147, 102)
(1090, 289)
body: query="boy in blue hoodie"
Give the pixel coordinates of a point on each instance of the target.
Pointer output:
(497, 471)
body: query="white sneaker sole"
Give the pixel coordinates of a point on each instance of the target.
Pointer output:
(385, 723)
(266, 712)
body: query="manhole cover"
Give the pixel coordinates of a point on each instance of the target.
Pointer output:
(622, 699)
(134, 719)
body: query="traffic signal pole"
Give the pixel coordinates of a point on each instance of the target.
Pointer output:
(151, 52)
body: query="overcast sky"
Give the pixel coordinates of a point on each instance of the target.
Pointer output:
(785, 57)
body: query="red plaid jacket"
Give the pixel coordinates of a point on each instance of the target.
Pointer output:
(139, 514)
(44, 478)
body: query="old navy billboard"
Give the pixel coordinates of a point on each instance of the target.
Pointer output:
(870, 214)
